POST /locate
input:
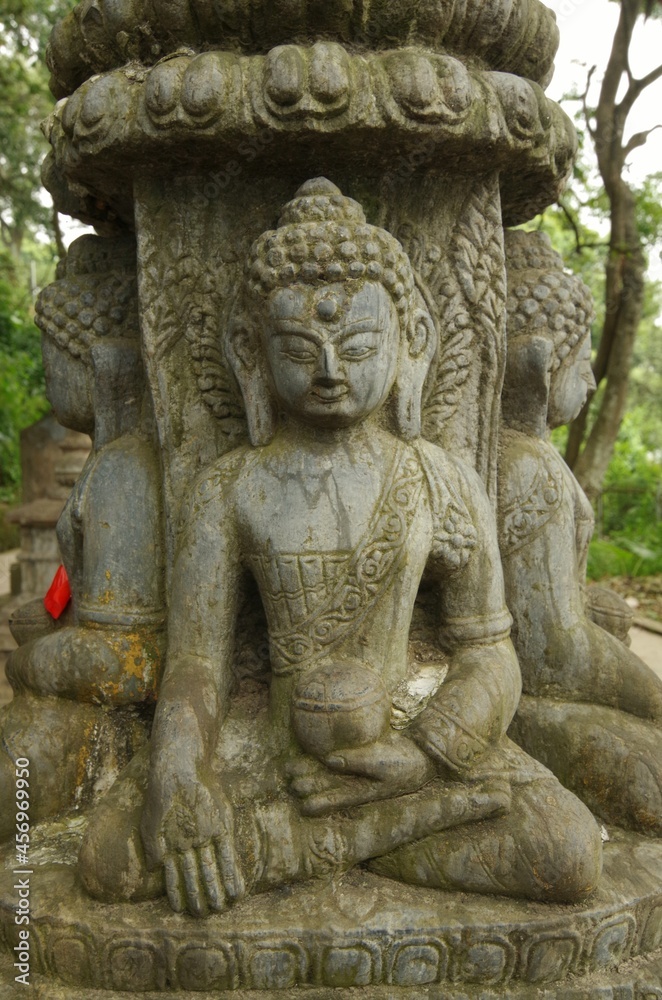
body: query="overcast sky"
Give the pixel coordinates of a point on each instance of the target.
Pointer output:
(587, 29)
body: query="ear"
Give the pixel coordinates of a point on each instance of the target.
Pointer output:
(417, 350)
(525, 394)
(119, 382)
(246, 360)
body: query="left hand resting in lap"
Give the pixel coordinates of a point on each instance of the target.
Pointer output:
(390, 767)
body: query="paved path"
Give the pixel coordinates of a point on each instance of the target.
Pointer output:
(648, 645)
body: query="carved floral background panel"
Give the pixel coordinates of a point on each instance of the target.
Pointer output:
(455, 241)
(194, 236)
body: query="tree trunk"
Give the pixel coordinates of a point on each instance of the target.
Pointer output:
(626, 264)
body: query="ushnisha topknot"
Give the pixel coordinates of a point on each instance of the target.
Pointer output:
(542, 298)
(323, 237)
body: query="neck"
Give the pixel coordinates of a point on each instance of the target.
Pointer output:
(532, 424)
(304, 434)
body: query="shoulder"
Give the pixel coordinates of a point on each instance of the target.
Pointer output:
(216, 485)
(123, 472)
(458, 501)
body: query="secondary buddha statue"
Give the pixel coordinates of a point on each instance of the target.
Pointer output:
(339, 511)
(592, 709)
(82, 690)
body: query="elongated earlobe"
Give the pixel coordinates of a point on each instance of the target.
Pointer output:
(417, 350)
(247, 364)
(525, 394)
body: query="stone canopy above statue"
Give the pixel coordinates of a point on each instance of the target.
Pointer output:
(450, 88)
(517, 37)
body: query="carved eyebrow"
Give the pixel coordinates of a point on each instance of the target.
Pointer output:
(290, 328)
(367, 325)
(287, 328)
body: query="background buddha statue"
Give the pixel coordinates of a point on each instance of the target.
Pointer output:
(593, 709)
(337, 510)
(81, 689)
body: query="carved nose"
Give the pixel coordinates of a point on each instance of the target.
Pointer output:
(328, 373)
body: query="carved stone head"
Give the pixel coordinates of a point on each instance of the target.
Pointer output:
(548, 370)
(89, 320)
(329, 323)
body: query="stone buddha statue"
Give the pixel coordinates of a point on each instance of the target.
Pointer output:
(592, 709)
(339, 512)
(82, 688)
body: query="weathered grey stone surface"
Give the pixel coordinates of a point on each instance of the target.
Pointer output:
(289, 338)
(592, 708)
(358, 931)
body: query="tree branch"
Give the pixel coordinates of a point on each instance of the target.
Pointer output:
(580, 244)
(638, 139)
(637, 87)
(584, 99)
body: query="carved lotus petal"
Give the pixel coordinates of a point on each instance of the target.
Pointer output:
(205, 85)
(285, 75)
(520, 104)
(102, 104)
(95, 102)
(70, 112)
(163, 85)
(328, 74)
(430, 87)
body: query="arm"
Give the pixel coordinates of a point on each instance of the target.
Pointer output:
(187, 822)
(113, 655)
(474, 707)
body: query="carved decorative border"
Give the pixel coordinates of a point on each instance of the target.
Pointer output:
(194, 110)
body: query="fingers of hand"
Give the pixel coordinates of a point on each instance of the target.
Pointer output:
(203, 879)
(228, 865)
(174, 886)
(311, 784)
(298, 767)
(469, 803)
(344, 796)
(195, 895)
(210, 879)
(398, 762)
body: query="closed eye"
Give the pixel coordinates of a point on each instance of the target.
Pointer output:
(357, 353)
(301, 357)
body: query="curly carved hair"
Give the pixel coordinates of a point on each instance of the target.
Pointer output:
(542, 298)
(323, 237)
(94, 296)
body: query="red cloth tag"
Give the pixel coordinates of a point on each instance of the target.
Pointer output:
(59, 594)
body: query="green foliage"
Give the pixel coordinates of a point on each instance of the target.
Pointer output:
(22, 392)
(26, 221)
(607, 559)
(24, 28)
(630, 511)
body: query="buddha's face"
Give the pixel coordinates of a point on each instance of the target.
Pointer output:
(332, 355)
(69, 387)
(570, 386)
